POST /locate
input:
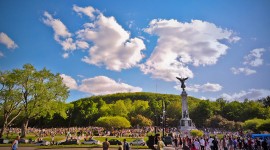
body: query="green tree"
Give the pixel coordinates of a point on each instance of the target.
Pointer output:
(219, 105)
(43, 93)
(119, 109)
(201, 113)
(88, 109)
(116, 122)
(264, 126)
(139, 107)
(265, 101)
(252, 109)
(10, 100)
(196, 133)
(141, 121)
(105, 110)
(174, 112)
(215, 121)
(252, 124)
(233, 111)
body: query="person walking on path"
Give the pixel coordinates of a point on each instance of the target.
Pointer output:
(125, 145)
(160, 144)
(106, 144)
(15, 143)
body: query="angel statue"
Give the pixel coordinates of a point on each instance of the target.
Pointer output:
(182, 80)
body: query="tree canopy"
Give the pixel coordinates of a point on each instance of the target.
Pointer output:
(36, 93)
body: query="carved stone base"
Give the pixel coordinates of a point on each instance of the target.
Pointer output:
(186, 125)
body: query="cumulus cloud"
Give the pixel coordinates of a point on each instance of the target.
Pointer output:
(62, 35)
(60, 30)
(254, 58)
(112, 45)
(208, 87)
(69, 82)
(181, 44)
(88, 11)
(7, 41)
(245, 71)
(251, 94)
(101, 85)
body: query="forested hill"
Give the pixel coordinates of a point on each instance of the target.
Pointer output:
(145, 96)
(147, 107)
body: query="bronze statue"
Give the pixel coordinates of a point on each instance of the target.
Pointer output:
(182, 80)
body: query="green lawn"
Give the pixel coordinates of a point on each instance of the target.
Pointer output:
(61, 137)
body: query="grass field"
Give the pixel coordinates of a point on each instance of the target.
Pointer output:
(59, 138)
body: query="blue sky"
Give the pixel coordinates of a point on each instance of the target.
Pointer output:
(102, 47)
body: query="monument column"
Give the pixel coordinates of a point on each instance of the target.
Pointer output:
(185, 122)
(184, 105)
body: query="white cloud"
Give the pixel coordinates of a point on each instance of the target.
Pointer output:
(208, 87)
(1, 54)
(203, 98)
(208, 98)
(246, 71)
(69, 82)
(251, 94)
(61, 33)
(112, 45)
(88, 11)
(63, 36)
(7, 41)
(65, 55)
(254, 58)
(68, 44)
(82, 44)
(60, 30)
(181, 44)
(101, 85)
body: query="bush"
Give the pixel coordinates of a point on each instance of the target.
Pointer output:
(196, 132)
(265, 126)
(253, 124)
(110, 122)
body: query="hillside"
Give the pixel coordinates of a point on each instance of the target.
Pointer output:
(145, 96)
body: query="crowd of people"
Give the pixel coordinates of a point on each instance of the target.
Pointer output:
(228, 142)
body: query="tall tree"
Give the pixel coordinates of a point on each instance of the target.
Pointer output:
(119, 109)
(88, 109)
(233, 111)
(43, 93)
(201, 113)
(174, 111)
(10, 100)
(265, 101)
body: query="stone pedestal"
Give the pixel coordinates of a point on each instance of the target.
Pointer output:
(185, 123)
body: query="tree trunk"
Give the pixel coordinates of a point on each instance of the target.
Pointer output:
(3, 130)
(24, 128)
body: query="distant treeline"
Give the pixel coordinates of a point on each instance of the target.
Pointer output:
(143, 109)
(37, 98)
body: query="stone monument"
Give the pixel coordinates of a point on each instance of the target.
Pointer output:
(185, 123)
